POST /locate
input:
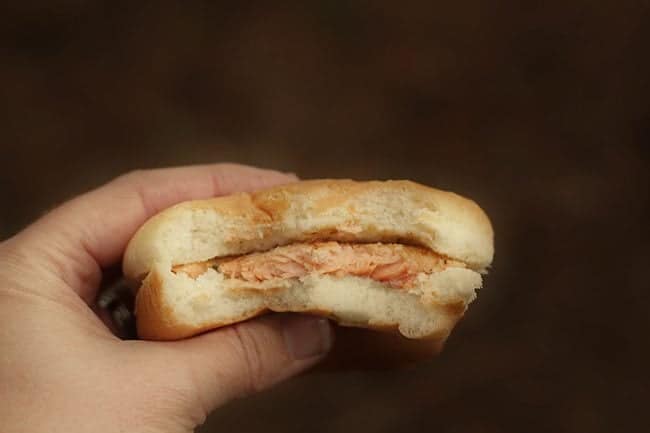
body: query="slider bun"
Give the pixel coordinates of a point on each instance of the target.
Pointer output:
(341, 210)
(172, 305)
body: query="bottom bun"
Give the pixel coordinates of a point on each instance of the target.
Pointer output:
(172, 306)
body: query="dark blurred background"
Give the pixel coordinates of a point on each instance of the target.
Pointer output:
(538, 110)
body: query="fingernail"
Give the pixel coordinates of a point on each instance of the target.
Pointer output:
(291, 174)
(307, 336)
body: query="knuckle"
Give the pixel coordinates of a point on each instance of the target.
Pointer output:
(132, 176)
(250, 351)
(136, 181)
(227, 166)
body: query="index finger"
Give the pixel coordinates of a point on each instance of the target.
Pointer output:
(91, 231)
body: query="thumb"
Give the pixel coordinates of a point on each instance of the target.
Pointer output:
(247, 357)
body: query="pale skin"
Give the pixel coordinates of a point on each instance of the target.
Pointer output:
(62, 369)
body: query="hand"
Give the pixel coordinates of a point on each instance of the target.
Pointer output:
(61, 369)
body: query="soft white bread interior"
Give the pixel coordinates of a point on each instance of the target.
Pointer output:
(173, 305)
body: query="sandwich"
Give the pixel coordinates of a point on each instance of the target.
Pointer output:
(386, 255)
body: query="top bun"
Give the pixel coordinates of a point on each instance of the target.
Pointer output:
(340, 210)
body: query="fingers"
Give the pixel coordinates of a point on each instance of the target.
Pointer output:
(245, 358)
(91, 231)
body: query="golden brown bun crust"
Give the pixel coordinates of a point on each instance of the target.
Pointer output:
(343, 210)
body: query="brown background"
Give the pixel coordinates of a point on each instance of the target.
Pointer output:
(539, 111)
